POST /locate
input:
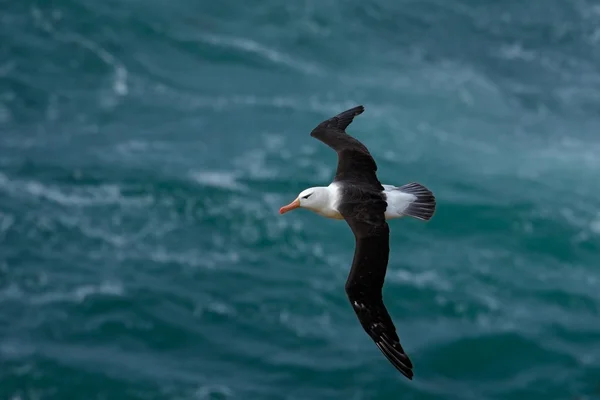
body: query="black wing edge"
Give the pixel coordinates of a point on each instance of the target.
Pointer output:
(376, 321)
(365, 283)
(339, 122)
(345, 118)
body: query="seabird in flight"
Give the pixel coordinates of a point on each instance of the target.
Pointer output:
(357, 196)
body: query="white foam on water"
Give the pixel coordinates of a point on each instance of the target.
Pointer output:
(308, 326)
(212, 391)
(595, 224)
(254, 164)
(218, 179)
(217, 307)
(247, 45)
(77, 294)
(6, 221)
(81, 196)
(120, 81)
(516, 51)
(135, 147)
(422, 279)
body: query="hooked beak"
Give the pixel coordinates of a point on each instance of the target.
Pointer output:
(290, 207)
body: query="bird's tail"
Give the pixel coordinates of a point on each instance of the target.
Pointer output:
(423, 207)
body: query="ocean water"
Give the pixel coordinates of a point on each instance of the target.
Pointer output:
(146, 147)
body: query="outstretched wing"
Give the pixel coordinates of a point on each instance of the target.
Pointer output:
(365, 281)
(355, 163)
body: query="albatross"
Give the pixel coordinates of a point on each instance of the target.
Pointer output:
(356, 196)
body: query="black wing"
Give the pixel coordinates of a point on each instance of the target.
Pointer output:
(365, 281)
(355, 163)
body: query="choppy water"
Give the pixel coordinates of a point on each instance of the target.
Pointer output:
(145, 148)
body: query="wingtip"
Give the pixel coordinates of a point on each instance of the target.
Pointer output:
(340, 122)
(354, 111)
(359, 109)
(399, 360)
(406, 371)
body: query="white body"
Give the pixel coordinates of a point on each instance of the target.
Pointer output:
(324, 201)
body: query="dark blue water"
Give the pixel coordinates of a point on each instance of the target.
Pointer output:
(146, 147)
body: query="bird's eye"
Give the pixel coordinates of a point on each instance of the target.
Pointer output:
(307, 196)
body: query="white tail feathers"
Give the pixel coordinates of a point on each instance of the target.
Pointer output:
(423, 207)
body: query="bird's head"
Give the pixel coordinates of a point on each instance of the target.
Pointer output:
(314, 199)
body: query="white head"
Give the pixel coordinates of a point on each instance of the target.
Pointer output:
(314, 199)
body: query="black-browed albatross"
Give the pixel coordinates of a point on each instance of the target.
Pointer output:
(357, 196)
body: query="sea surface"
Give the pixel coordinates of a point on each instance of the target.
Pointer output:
(146, 147)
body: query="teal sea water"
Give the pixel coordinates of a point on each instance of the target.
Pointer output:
(146, 147)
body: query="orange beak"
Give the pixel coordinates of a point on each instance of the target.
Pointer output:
(290, 207)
